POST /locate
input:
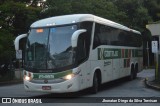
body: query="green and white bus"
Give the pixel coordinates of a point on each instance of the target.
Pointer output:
(70, 53)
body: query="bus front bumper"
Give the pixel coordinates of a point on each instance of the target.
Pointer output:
(71, 85)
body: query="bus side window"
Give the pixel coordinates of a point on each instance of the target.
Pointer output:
(96, 39)
(88, 26)
(81, 49)
(96, 42)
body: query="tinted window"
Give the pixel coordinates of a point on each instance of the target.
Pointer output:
(88, 26)
(50, 48)
(60, 50)
(81, 48)
(36, 48)
(106, 35)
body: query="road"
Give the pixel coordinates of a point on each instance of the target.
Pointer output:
(119, 88)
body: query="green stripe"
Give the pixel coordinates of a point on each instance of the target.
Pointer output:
(126, 63)
(126, 53)
(51, 75)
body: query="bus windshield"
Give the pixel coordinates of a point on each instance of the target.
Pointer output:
(50, 48)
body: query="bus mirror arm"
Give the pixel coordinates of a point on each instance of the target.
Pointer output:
(18, 38)
(75, 36)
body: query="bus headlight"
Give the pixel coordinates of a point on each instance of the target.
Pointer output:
(68, 77)
(27, 78)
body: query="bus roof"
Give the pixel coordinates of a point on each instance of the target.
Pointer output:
(75, 18)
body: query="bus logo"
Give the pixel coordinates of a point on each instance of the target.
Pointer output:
(105, 53)
(45, 81)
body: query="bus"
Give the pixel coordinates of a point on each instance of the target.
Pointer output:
(70, 53)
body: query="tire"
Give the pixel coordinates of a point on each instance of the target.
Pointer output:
(135, 72)
(95, 84)
(132, 75)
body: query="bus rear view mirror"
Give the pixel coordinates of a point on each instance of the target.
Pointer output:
(17, 44)
(75, 36)
(17, 40)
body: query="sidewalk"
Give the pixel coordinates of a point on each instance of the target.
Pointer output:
(13, 77)
(11, 82)
(150, 81)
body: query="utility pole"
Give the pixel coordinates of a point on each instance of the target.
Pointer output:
(148, 53)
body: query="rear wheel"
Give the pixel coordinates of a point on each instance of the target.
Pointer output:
(135, 72)
(131, 77)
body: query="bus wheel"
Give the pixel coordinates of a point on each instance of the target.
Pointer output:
(95, 84)
(131, 77)
(135, 72)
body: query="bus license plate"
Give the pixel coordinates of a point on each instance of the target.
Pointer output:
(46, 87)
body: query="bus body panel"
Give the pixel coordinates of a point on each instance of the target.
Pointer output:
(115, 68)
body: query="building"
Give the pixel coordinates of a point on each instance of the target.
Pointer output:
(155, 32)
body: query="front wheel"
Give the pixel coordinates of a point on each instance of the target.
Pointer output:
(95, 84)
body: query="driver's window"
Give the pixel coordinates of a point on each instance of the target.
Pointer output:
(81, 49)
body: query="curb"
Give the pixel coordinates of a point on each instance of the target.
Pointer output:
(151, 85)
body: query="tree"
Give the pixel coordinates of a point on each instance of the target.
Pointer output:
(153, 7)
(137, 13)
(15, 18)
(6, 46)
(100, 8)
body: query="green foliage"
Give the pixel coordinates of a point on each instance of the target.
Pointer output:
(101, 8)
(138, 15)
(15, 19)
(153, 7)
(131, 13)
(6, 46)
